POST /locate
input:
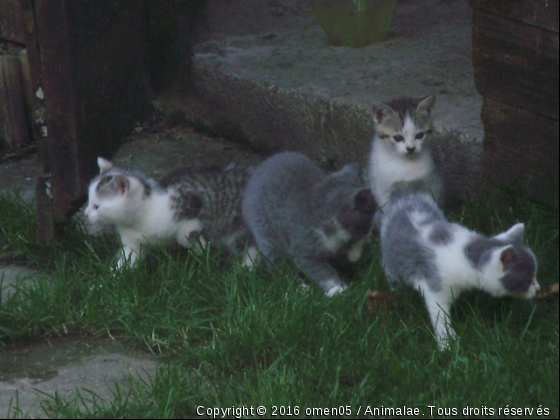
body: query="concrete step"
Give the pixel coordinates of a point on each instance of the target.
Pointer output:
(268, 77)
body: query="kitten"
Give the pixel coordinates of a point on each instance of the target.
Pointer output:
(191, 206)
(442, 259)
(293, 209)
(400, 152)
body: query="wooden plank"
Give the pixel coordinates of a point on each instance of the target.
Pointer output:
(11, 25)
(59, 86)
(37, 106)
(540, 13)
(516, 64)
(520, 146)
(27, 82)
(14, 122)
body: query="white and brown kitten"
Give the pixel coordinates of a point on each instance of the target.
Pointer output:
(295, 210)
(441, 259)
(190, 207)
(400, 153)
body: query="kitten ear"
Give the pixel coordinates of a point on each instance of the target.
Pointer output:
(508, 257)
(427, 104)
(104, 165)
(364, 201)
(123, 183)
(514, 234)
(114, 183)
(117, 183)
(381, 111)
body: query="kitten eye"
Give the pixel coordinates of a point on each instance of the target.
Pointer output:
(398, 138)
(420, 136)
(95, 206)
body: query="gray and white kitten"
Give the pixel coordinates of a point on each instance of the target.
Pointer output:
(294, 210)
(400, 151)
(191, 206)
(441, 259)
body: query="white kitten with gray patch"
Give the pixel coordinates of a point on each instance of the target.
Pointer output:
(191, 206)
(400, 152)
(442, 259)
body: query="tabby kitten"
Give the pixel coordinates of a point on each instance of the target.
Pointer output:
(294, 210)
(191, 207)
(400, 151)
(441, 259)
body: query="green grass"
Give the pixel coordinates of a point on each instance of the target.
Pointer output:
(228, 337)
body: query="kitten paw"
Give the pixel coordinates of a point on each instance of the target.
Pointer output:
(250, 257)
(355, 253)
(335, 290)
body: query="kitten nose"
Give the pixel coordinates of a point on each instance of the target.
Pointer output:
(410, 149)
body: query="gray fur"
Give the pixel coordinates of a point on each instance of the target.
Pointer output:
(110, 181)
(522, 267)
(441, 234)
(401, 107)
(212, 194)
(519, 260)
(294, 210)
(477, 250)
(406, 256)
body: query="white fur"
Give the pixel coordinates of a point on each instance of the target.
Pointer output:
(419, 218)
(454, 267)
(335, 289)
(186, 229)
(355, 251)
(388, 166)
(439, 307)
(140, 220)
(410, 143)
(516, 230)
(154, 224)
(104, 165)
(250, 257)
(533, 290)
(332, 243)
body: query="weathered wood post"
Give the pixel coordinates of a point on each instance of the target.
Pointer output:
(14, 121)
(515, 57)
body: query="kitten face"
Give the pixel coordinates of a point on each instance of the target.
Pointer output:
(513, 264)
(404, 123)
(107, 199)
(112, 195)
